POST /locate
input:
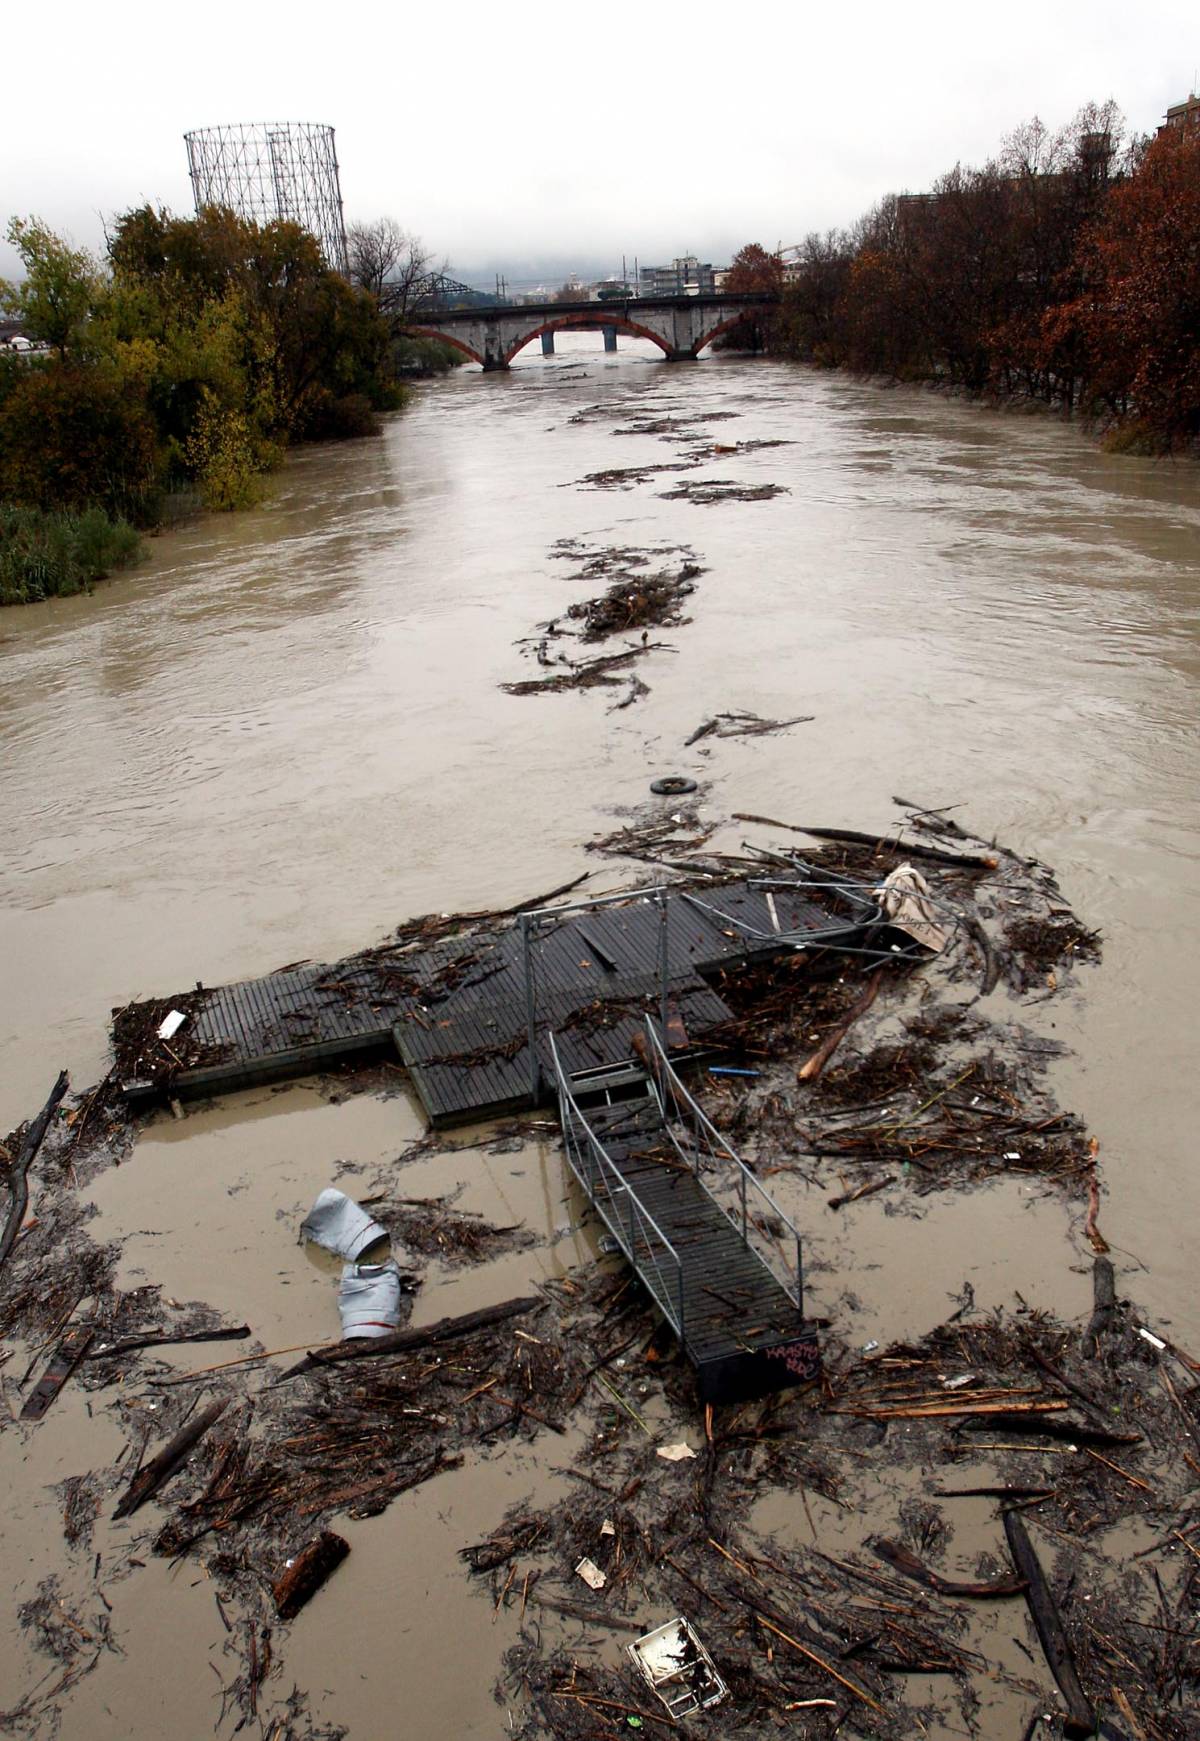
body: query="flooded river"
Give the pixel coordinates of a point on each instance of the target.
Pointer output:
(284, 732)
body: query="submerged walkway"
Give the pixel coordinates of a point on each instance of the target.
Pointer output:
(470, 1016)
(718, 1256)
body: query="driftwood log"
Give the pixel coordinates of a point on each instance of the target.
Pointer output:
(130, 1344)
(173, 1455)
(809, 1071)
(880, 843)
(66, 1358)
(401, 1341)
(18, 1173)
(1104, 1305)
(911, 1567)
(312, 1566)
(1081, 1719)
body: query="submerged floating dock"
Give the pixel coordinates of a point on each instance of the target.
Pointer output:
(470, 1016)
(559, 1006)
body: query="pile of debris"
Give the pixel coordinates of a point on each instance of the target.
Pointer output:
(829, 1067)
(836, 1633)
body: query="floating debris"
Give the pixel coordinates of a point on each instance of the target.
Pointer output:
(741, 724)
(723, 490)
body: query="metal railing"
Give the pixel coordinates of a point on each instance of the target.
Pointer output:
(865, 910)
(703, 1145)
(635, 1230)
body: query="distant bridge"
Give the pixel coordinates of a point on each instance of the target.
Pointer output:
(680, 326)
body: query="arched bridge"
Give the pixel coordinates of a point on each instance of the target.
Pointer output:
(680, 326)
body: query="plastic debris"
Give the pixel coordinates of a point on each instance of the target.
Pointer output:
(369, 1299)
(904, 896)
(608, 1527)
(171, 1024)
(591, 1574)
(677, 1668)
(870, 1347)
(675, 1453)
(337, 1223)
(1151, 1338)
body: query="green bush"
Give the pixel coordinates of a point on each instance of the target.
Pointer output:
(416, 358)
(52, 555)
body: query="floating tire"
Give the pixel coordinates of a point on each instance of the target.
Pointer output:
(672, 785)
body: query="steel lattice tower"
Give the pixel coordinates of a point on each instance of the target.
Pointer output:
(272, 169)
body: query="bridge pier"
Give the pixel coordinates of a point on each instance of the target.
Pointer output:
(610, 338)
(495, 356)
(548, 344)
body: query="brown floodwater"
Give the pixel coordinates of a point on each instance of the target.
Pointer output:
(284, 732)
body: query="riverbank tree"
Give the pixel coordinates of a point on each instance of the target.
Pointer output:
(395, 268)
(1064, 271)
(183, 362)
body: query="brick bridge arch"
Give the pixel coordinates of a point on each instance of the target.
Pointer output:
(572, 322)
(444, 338)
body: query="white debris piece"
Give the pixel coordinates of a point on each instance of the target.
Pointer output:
(676, 1453)
(591, 1574)
(342, 1226)
(1151, 1338)
(369, 1299)
(608, 1527)
(171, 1024)
(905, 898)
(677, 1667)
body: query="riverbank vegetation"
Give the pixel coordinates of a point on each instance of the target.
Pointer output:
(1064, 272)
(46, 555)
(184, 364)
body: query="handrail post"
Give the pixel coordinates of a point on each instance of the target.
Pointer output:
(679, 1295)
(632, 1238)
(799, 1277)
(745, 1239)
(535, 1074)
(664, 963)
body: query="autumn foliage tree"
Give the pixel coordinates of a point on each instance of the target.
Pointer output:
(752, 272)
(1067, 270)
(1135, 323)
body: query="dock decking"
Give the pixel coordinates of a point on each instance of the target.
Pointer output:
(456, 1011)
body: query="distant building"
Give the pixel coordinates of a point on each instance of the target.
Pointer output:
(685, 276)
(12, 339)
(1183, 118)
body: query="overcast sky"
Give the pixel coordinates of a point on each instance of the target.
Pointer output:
(541, 138)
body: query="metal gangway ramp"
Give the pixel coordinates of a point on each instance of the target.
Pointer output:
(721, 1261)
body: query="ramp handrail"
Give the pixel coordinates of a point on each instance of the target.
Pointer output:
(635, 1230)
(705, 1143)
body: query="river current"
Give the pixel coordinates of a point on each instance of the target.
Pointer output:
(284, 732)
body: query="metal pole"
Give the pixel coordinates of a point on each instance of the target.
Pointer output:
(664, 965)
(535, 1075)
(799, 1278)
(632, 1240)
(679, 1293)
(745, 1241)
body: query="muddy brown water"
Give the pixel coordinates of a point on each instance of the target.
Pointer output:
(284, 732)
